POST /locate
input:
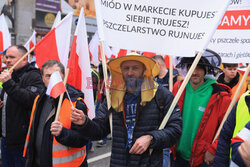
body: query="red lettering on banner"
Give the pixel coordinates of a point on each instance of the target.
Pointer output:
(235, 19)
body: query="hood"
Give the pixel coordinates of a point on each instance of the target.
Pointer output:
(222, 89)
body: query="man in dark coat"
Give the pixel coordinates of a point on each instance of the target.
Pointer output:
(138, 105)
(55, 143)
(19, 91)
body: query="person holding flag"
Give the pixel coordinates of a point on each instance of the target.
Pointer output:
(138, 105)
(203, 105)
(50, 142)
(20, 87)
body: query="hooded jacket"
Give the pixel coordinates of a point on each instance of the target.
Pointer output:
(211, 119)
(24, 85)
(67, 137)
(234, 84)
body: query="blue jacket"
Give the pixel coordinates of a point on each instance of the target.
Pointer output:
(148, 120)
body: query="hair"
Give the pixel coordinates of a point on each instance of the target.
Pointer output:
(37, 35)
(225, 65)
(159, 57)
(51, 63)
(21, 49)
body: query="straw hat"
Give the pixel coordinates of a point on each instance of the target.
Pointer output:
(118, 85)
(152, 69)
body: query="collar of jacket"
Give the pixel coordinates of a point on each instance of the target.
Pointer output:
(232, 83)
(19, 72)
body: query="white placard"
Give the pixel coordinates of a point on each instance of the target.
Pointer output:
(232, 38)
(173, 27)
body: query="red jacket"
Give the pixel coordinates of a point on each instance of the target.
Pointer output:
(210, 122)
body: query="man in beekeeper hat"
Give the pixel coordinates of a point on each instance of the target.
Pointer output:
(138, 106)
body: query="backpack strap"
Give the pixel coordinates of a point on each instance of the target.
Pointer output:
(160, 104)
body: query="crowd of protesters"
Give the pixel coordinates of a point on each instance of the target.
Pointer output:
(140, 99)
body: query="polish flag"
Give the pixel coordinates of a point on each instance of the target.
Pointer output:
(79, 65)
(56, 86)
(149, 54)
(120, 52)
(55, 45)
(57, 20)
(5, 39)
(31, 42)
(95, 49)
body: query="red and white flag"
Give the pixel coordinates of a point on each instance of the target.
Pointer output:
(55, 45)
(121, 52)
(79, 65)
(56, 86)
(5, 39)
(95, 50)
(31, 42)
(57, 20)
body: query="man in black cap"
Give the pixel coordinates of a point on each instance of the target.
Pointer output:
(203, 105)
(138, 105)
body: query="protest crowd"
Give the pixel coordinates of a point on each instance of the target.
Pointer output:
(158, 110)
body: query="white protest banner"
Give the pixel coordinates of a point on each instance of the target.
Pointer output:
(232, 38)
(177, 27)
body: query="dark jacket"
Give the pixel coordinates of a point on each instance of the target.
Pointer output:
(68, 137)
(22, 88)
(232, 83)
(222, 156)
(211, 119)
(148, 120)
(165, 80)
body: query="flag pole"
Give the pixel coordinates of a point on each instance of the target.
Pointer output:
(233, 101)
(104, 67)
(178, 95)
(23, 57)
(61, 96)
(170, 73)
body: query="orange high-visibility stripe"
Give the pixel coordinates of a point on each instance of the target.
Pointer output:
(67, 164)
(33, 110)
(68, 152)
(30, 124)
(64, 153)
(243, 89)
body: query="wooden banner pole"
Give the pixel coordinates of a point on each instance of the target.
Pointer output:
(233, 101)
(106, 79)
(178, 95)
(23, 57)
(170, 73)
(61, 96)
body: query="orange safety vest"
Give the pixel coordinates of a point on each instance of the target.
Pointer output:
(62, 156)
(243, 89)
